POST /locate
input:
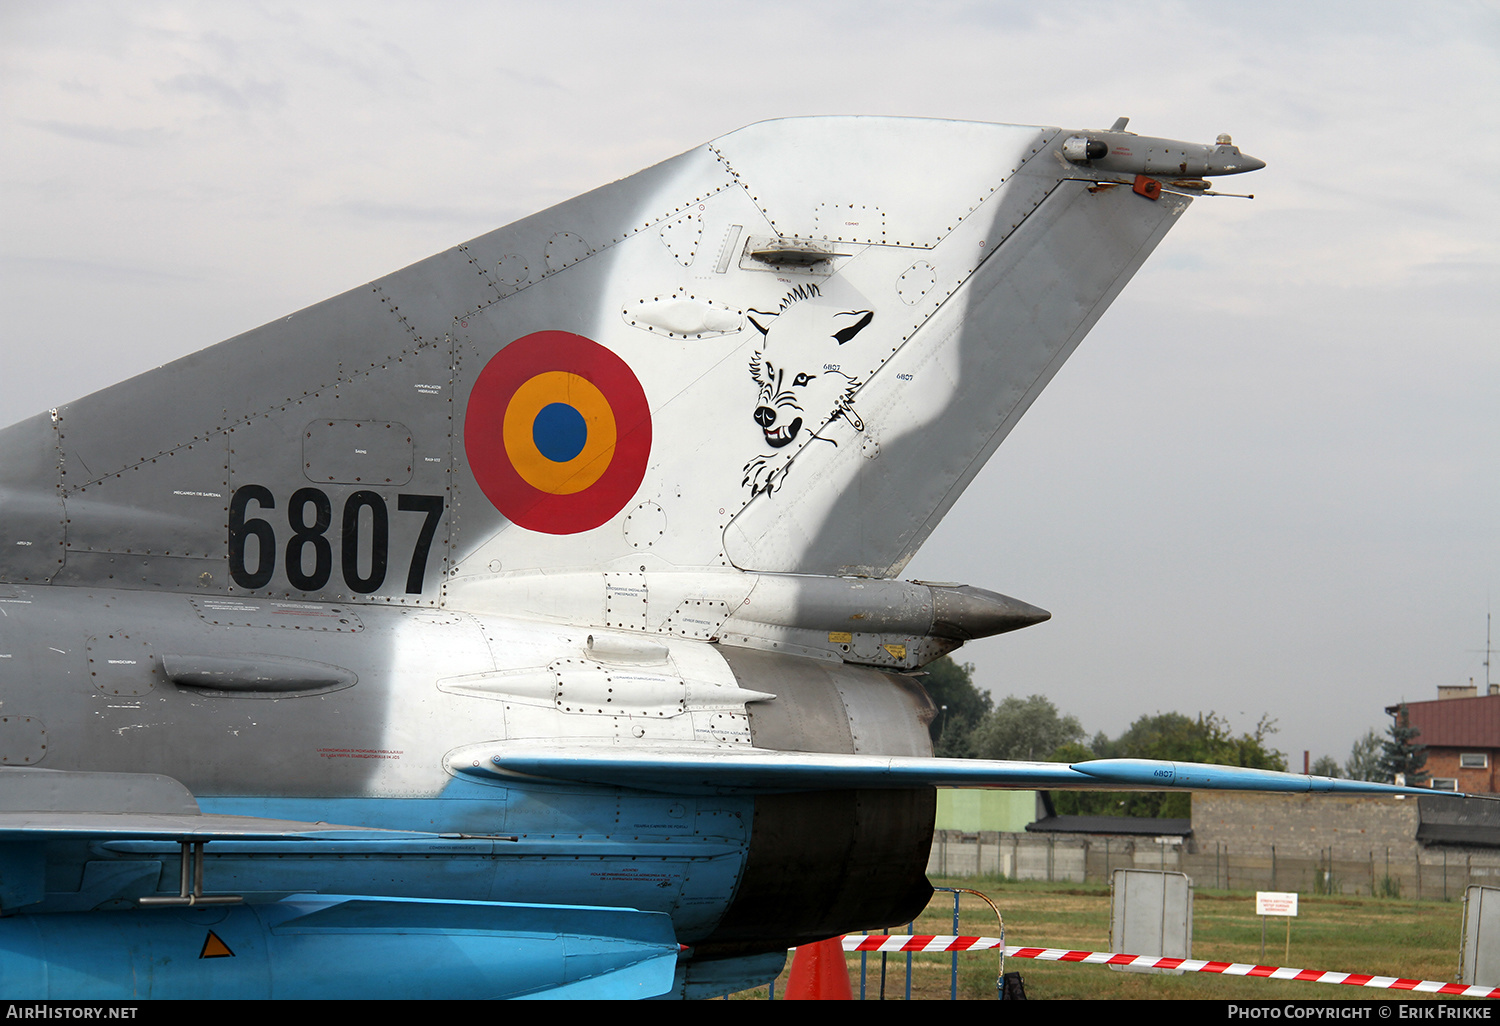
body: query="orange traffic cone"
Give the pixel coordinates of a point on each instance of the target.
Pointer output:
(819, 973)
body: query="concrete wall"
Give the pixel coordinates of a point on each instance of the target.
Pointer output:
(1304, 825)
(1431, 874)
(1057, 857)
(1310, 844)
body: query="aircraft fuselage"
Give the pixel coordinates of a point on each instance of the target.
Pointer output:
(368, 715)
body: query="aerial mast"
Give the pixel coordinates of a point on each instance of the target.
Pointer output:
(1488, 653)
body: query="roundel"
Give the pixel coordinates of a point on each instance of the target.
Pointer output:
(557, 432)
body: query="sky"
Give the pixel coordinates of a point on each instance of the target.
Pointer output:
(1267, 484)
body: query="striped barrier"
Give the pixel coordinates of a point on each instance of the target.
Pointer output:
(930, 943)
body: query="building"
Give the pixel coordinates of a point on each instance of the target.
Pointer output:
(1461, 731)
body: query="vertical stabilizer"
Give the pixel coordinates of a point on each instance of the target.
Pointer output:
(788, 350)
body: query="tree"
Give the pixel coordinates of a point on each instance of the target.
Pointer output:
(1364, 758)
(1024, 728)
(1177, 738)
(1326, 766)
(1174, 736)
(960, 704)
(1400, 753)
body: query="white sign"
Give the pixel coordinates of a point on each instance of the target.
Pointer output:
(1275, 903)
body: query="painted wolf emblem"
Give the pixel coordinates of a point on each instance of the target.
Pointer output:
(804, 376)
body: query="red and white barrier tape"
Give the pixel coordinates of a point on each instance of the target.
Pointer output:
(927, 943)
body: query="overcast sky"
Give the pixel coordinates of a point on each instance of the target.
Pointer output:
(1268, 482)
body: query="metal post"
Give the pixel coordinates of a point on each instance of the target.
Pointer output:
(883, 963)
(183, 889)
(953, 979)
(1000, 924)
(911, 928)
(190, 882)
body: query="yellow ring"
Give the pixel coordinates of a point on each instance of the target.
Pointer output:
(599, 444)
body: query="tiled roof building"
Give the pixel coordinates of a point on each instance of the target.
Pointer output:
(1462, 735)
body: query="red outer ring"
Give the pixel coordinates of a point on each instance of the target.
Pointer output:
(484, 426)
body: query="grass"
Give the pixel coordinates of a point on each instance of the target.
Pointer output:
(1383, 936)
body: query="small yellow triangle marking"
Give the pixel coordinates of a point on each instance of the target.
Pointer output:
(213, 947)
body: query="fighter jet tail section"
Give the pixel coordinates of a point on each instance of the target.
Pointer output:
(964, 336)
(656, 455)
(786, 351)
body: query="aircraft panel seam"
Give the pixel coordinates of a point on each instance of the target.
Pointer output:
(243, 418)
(963, 279)
(1047, 372)
(395, 311)
(480, 269)
(549, 272)
(924, 319)
(62, 498)
(1046, 137)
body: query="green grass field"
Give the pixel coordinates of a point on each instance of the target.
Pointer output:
(1380, 936)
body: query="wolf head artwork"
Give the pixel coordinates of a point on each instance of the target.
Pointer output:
(806, 377)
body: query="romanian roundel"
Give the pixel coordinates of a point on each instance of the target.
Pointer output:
(557, 432)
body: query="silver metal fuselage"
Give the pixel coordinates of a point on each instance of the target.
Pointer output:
(637, 474)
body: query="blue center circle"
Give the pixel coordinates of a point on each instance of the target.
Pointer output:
(559, 432)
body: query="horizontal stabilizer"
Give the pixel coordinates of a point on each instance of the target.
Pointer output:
(758, 771)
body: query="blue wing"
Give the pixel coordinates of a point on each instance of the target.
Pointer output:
(748, 771)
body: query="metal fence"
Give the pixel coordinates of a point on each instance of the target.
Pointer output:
(1436, 874)
(883, 978)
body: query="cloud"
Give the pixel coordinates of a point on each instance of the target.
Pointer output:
(109, 135)
(234, 97)
(62, 269)
(369, 210)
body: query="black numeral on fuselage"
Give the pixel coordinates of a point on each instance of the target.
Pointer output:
(364, 539)
(380, 533)
(305, 534)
